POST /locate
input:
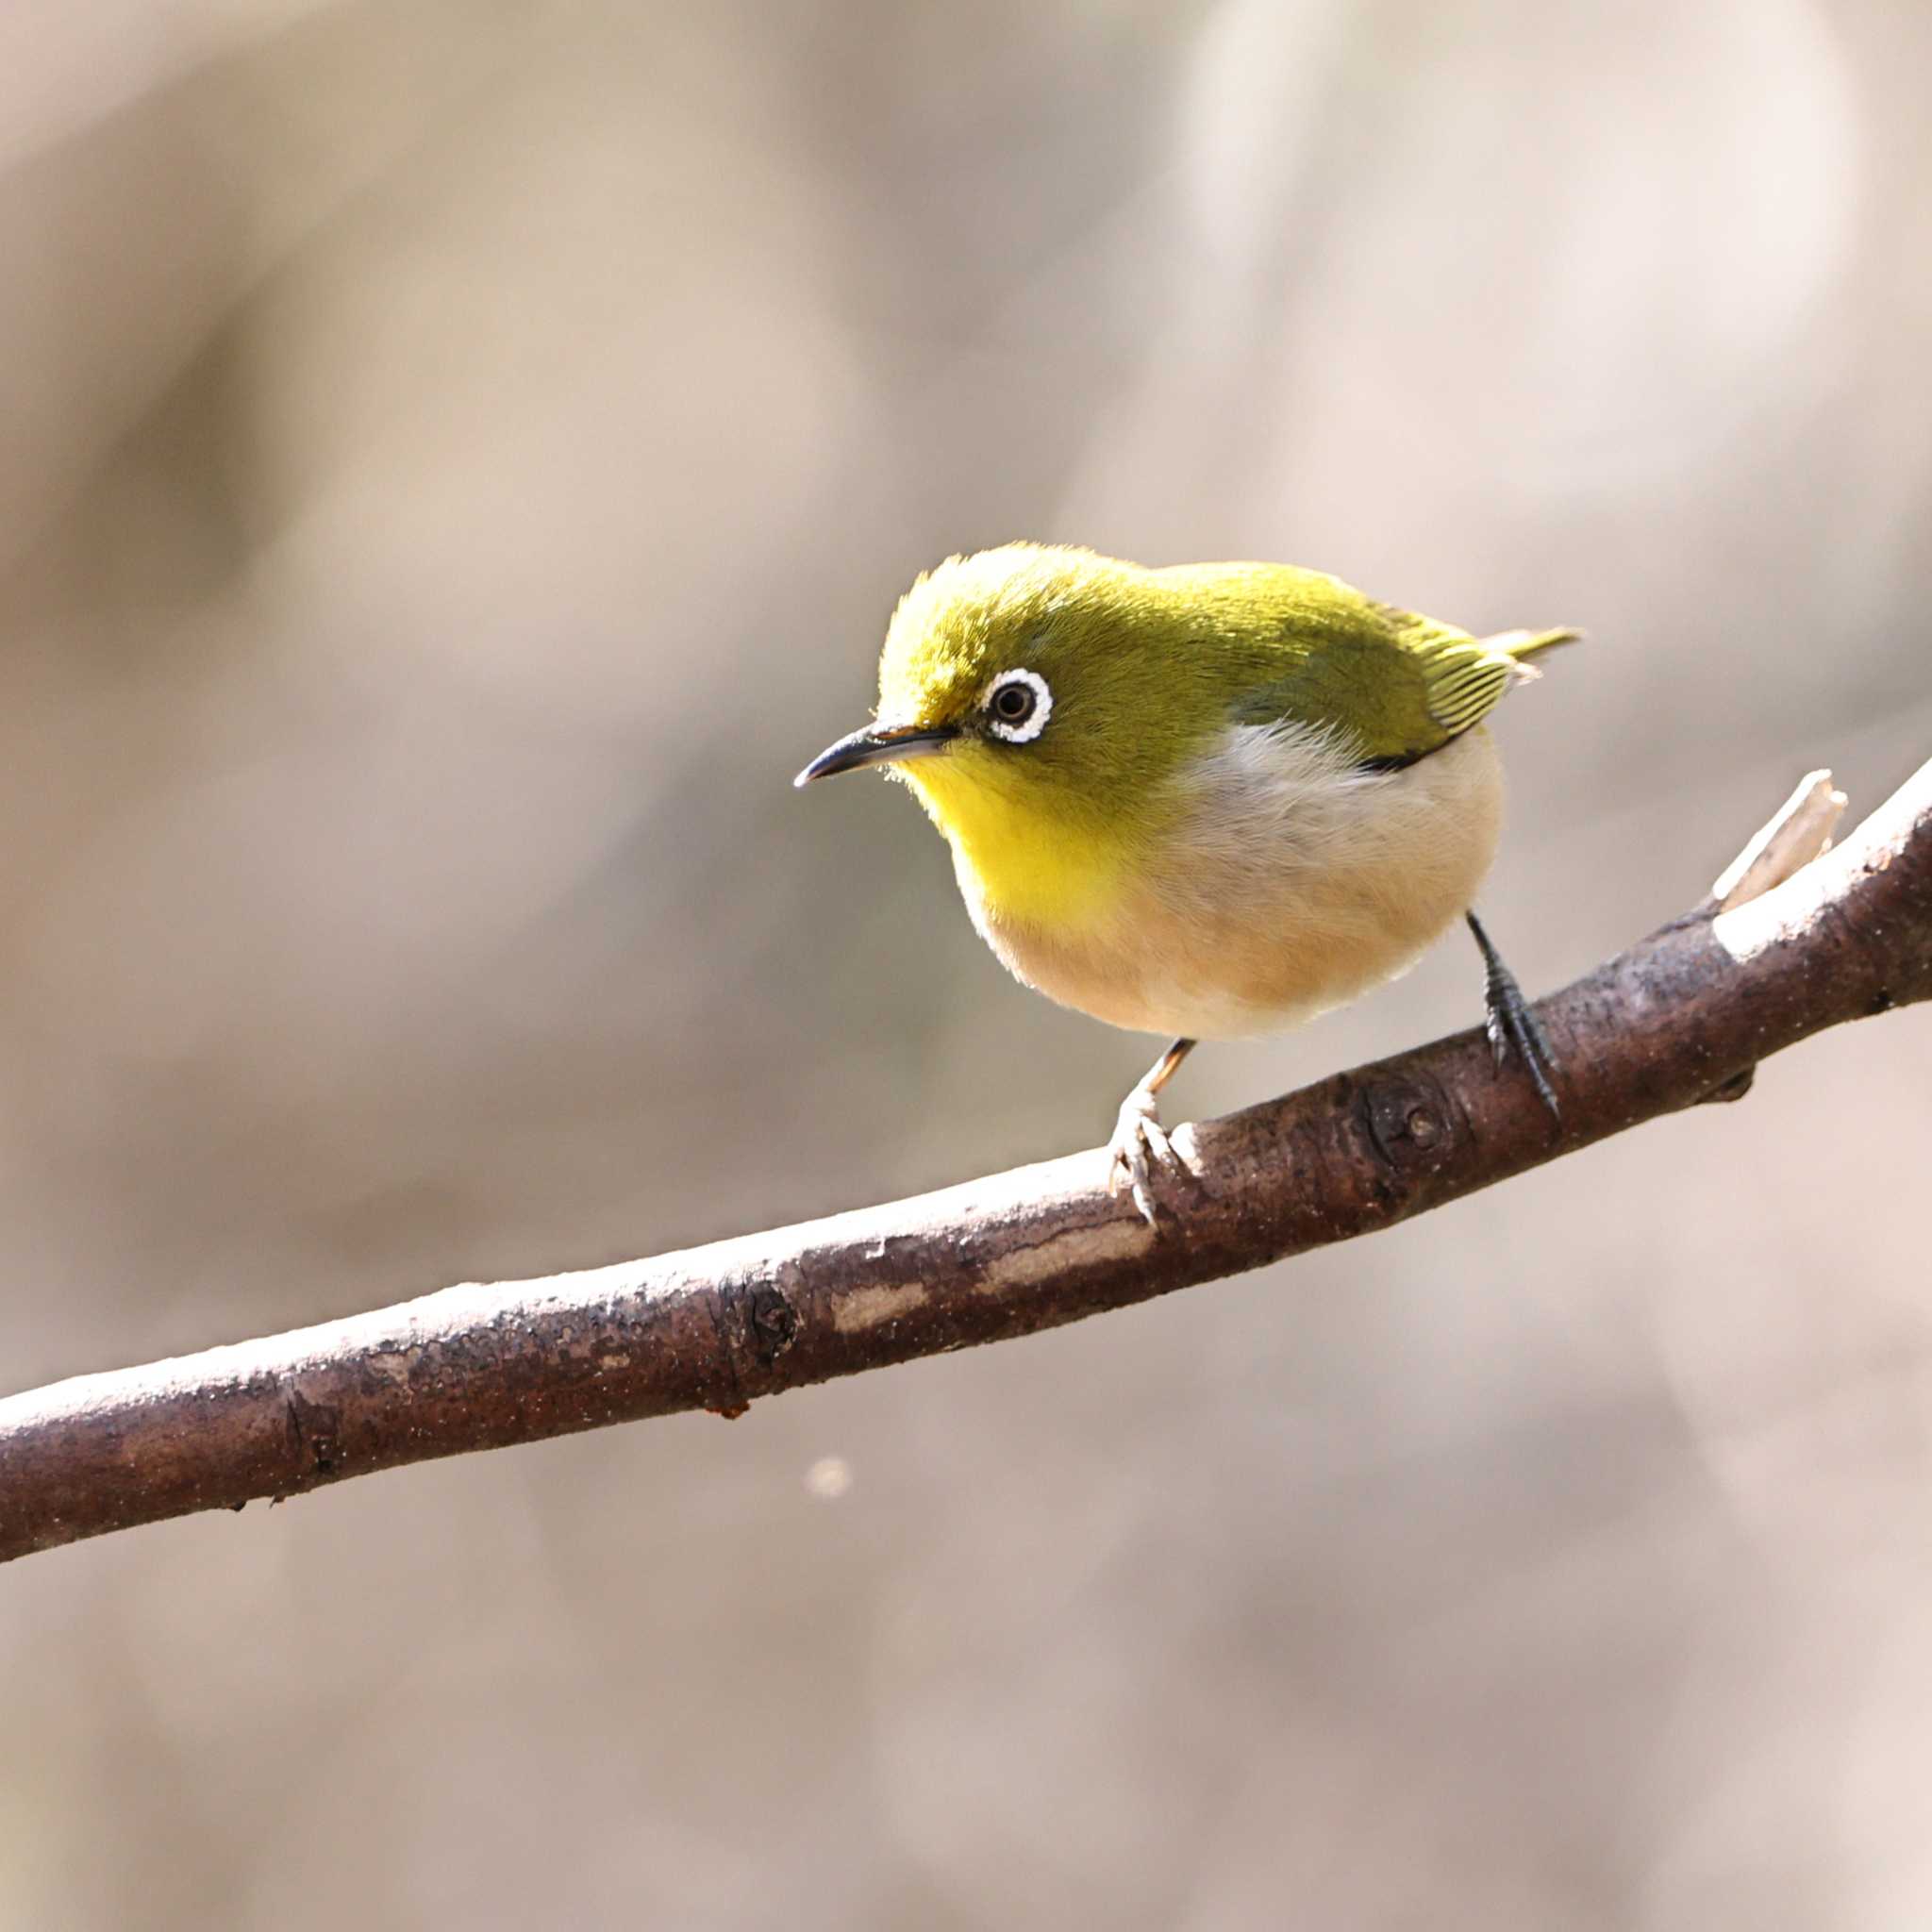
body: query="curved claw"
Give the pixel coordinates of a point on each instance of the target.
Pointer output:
(1142, 1156)
(1522, 1033)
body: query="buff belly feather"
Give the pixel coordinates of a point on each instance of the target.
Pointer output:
(1285, 882)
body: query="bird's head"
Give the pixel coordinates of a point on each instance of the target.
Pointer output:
(1024, 697)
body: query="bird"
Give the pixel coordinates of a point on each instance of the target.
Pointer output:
(1210, 800)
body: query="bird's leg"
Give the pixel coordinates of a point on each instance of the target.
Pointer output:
(1139, 1146)
(1509, 1022)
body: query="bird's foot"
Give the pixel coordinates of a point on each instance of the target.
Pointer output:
(1508, 1021)
(1142, 1158)
(1513, 1025)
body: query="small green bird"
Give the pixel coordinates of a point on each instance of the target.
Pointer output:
(1210, 800)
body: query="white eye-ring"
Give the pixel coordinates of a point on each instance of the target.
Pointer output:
(1018, 705)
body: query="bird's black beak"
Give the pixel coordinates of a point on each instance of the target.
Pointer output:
(872, 746)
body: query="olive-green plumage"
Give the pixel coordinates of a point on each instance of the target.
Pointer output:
(1210, 799)
(1167, 656)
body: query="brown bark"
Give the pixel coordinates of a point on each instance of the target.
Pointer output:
(1681, 1017)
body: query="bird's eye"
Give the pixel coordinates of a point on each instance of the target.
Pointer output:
(1018, 705)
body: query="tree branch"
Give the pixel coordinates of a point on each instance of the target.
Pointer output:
(1682, 1017)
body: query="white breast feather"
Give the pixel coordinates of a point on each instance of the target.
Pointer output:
(1278, 798)
(1286, 880)
(1303, 878)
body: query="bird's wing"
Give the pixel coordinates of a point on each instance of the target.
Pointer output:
(1401, 685)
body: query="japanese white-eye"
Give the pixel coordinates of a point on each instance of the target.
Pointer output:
(1209, 801)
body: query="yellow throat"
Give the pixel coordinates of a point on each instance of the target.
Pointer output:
(1054, 873)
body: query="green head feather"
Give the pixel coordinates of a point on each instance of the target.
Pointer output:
(1124, 686)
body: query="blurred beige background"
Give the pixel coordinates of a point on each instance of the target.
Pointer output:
(455, 463)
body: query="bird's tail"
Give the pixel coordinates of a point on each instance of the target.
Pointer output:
(1518, 644)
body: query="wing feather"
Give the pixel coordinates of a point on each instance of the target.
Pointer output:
(1401, 685)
